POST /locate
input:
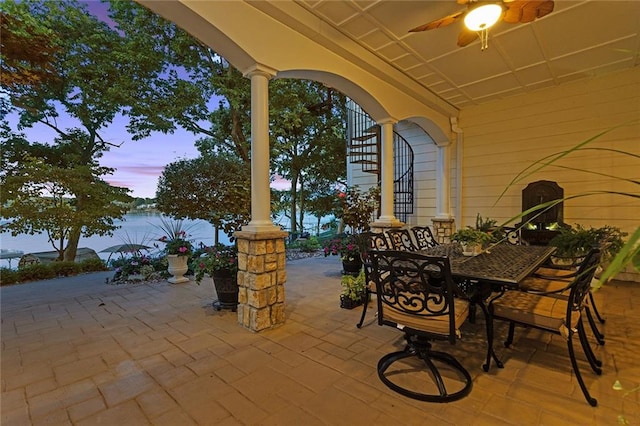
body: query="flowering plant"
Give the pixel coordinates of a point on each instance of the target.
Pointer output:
(135, 265)
(345, 246)
(216, 258)
(175, 238)
(178, 245)
(358, 207)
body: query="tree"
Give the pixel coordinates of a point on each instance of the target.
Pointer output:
(308, 136)
(307, 118)
(91, 62)
(53, 189)
(215, 188)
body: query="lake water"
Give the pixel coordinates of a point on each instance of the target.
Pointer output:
(139, 228)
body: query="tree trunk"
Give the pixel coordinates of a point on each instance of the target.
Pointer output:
(72, 245)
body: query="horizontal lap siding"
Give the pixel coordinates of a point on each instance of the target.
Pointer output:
(425, 163)
(502, 138)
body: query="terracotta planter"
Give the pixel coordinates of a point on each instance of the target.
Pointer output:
(177, 268)
(226, 284)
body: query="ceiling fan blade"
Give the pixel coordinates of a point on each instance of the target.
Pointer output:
(442, 22)
(466, 36)
(526, 11)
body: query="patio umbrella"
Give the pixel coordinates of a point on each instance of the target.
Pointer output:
(124, 248)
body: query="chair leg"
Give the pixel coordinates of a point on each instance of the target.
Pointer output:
(574, 364)
(364, 306)
(595, 309)
(586, 347)
(509, 341)
(592, 323)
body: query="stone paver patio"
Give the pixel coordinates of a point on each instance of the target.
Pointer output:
(79, 351)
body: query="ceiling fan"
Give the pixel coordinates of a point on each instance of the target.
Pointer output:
(481, 15)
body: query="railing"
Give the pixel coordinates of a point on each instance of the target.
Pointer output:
(364, 149)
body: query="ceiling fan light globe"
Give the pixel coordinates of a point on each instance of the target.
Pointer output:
(482, 17)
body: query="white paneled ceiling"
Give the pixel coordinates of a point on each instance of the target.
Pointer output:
(578, 39)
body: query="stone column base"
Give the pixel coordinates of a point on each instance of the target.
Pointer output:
(443, 229)
(261, 277)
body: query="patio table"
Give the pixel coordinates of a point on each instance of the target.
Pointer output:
(502, 266)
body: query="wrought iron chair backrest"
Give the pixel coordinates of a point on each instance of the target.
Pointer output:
(581, 284)
(414, 284)
(513, 235)
(401, 240)
(424, 237)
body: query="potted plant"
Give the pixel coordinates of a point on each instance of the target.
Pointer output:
(471, 240)
(177, 248)
(220, 262)
(353, 290)
(573, 242)
(346, 246)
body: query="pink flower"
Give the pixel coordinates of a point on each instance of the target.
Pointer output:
(182, 249)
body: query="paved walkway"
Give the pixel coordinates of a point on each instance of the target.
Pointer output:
(79, 351)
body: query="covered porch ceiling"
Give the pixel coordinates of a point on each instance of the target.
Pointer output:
(578, 39)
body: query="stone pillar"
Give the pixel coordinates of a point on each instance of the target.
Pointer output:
(261, 277)
(442, 229)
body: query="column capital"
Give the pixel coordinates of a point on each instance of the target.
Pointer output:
(259, 69)
(387, 120)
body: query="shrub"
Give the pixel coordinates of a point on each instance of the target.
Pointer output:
(8, 276)
(93, 265)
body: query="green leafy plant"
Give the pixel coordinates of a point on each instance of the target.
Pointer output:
(578, 240)
(353, 287)
(358, 207)
(470, 235)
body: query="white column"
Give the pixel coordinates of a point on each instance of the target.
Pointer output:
(260, 173)
(443, 182)
(387, 218)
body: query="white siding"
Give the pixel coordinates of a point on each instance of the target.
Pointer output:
(502, 138)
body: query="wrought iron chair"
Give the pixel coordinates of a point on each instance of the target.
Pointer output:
(554, 276)
(513, 236)
(401, 240)
(370, 241)
(558, 315)
(417, 295)
(424, 237)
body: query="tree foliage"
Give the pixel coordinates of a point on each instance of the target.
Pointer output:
(53, 189)
(26, 50)
(306, 118)
(215, 188)
(90, 63)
